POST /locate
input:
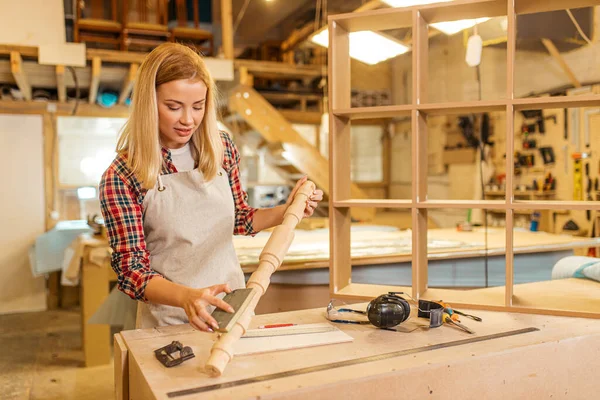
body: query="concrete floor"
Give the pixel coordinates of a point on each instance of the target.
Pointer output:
(41, 358)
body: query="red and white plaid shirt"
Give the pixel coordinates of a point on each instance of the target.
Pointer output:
(121, 201)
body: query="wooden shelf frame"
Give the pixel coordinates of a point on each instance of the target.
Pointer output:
(341, 116)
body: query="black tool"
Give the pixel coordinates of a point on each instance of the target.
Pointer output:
(239, 300)
(547, 155)
(473, 317)
(566, 117)
(588, 213)
(388, 310)
(166, 354)
(529, 144)
(448, 319)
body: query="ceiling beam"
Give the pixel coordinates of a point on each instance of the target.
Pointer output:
(561, 61)
(16, 67)
(95, 81)
(60, 83)
(129, 82)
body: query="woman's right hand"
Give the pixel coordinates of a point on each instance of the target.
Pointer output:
(195, 301)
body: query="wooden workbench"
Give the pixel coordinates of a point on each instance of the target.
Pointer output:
(96, 278)
(373, 245)
(309, 251)
(558, 360)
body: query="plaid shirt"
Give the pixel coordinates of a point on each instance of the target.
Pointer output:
(121, 201)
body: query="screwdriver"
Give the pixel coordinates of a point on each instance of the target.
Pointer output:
(467, 315)
(448, 319)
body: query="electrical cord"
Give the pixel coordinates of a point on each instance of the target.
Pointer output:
(77, 90)
(482, 157)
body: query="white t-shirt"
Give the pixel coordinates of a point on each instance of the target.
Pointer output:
(182, 158)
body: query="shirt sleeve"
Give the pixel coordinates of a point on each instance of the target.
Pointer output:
(244, 214)
(123, 219)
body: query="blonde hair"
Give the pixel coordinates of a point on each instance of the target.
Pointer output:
(140, 137)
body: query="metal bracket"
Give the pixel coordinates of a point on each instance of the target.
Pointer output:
(166, 357)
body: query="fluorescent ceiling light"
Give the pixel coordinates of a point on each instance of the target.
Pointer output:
(366, 46)
(452, 27)
(409, 3)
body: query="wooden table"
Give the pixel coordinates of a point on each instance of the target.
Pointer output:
(306, 253)
(559, 359)
(94, 287)
(376, 245)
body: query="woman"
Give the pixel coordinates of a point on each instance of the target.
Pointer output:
(172, 198)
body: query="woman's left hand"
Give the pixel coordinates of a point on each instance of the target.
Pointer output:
(313, 199)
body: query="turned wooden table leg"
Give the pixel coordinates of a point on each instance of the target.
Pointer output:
(270, 259)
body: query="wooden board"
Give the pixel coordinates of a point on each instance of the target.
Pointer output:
(71, 54)
(310, 249)
(32, 23)
(539, 361)
(252, 345)
(121, 367)
(22, 212)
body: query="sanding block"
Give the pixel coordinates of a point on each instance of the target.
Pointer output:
(239, 300)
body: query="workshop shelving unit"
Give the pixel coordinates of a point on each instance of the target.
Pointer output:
(506, 298)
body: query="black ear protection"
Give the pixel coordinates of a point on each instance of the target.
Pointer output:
(388, 310)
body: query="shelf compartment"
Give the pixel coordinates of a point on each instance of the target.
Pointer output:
(463, 9)
(462, 107)
(363, 291)
(478, 204)
(538, 103)
(537, 6)
(394, 18)
(555, 205)
(377, 203)
(358, 113)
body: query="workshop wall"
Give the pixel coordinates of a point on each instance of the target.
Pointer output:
(451, 79)
(22, 212)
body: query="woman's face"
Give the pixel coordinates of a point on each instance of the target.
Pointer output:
(181, 105)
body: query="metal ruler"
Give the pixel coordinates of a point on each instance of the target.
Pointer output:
(324, 367)
(292, 330)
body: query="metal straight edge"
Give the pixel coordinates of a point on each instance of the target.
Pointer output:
(324, 367)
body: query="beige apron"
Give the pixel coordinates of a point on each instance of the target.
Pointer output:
(188, 227)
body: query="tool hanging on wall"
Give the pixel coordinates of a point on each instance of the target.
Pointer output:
(529, 144)
(575, 128)
(542, 124)
(525, 160)
(566, 123)
(578, 174)
(547, 155)
(588, 213)
(566, 158)
(549, 183)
